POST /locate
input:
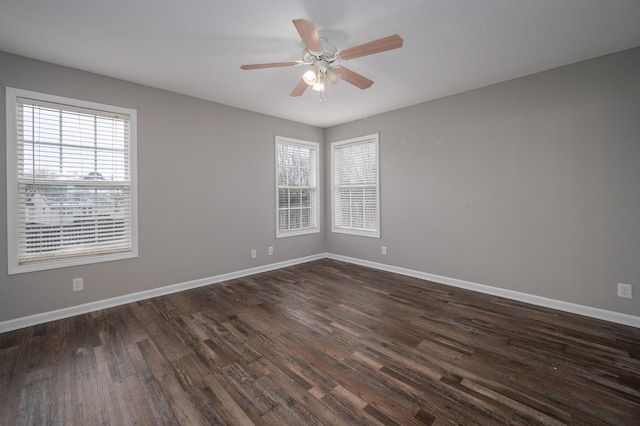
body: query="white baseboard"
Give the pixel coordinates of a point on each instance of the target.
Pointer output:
(611, 316)
(31, 320)
(615, 317)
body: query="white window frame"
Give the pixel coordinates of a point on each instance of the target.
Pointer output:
(314, 149)
(14, 264)
(338, 227)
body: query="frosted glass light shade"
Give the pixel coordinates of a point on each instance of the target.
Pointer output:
(310, 76)
(333, 75)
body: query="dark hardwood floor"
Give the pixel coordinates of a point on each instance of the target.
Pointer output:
(322, 343)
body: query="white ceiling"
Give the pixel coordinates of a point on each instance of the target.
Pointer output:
(196, 47)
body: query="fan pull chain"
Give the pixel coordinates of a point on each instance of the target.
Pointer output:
(323, 92)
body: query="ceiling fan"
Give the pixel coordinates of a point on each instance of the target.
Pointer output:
(322, 59)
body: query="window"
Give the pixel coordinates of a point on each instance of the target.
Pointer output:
(296, 187)
(71, 187)
(355, 188)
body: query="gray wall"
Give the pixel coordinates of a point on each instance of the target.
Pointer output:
(531, 185)
(205, 183)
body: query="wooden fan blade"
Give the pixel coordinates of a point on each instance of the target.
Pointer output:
(309, 35)
(270, 65)
(376, 46)
(354, 78)
(300, 88)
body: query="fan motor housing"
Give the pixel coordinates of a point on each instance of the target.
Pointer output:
(328, 55)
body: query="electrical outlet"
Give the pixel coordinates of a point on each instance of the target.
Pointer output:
(253, 253)
(270, 251)
(624, 290)
(78, 284)
(384, 251)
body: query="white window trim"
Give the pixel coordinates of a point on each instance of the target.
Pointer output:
(316, 147)
(352, 231)
(12, 95)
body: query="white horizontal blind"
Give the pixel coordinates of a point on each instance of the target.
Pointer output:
(74, 195)
(355, 186)
(297, 186)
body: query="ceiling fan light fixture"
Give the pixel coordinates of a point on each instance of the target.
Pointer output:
(310, 76)
(321, 58)
(319, 85)
(333, 75)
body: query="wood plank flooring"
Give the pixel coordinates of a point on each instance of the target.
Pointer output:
(322, 343)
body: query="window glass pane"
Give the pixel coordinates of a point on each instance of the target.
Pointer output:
(305, 197)
(283, 198)
(294, 197)
(294, 218)
(283, 219)
(370, 208)
(305, 217)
